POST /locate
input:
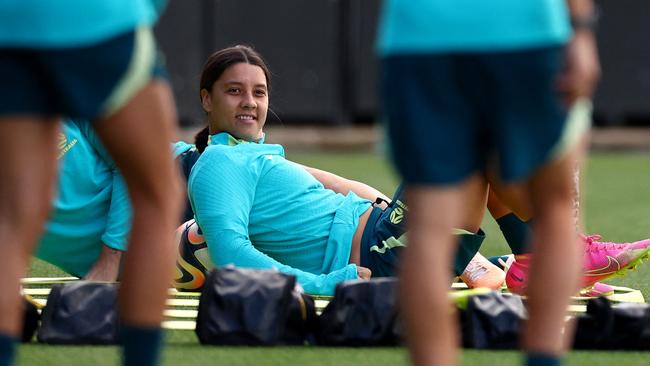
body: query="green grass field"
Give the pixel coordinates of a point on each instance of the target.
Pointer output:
(617, 206)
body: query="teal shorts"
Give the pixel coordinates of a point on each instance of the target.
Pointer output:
(87, 83)
(385, 237)
(452, 115)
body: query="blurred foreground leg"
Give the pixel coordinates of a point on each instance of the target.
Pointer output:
(556, 262)
(138, 137)
(425, 275)
(28, 149)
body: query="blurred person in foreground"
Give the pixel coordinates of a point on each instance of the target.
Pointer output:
(471, 87)
(94, 60)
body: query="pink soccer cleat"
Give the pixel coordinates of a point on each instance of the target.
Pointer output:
(605, 259)
(517, 273)
(601, 260)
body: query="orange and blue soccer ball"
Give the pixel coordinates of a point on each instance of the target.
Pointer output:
(193, 262)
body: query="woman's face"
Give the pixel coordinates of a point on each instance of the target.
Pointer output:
(238, 102)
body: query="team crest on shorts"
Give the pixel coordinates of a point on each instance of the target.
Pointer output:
(397, 215)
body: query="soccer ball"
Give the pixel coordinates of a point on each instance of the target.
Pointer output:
(193, 262)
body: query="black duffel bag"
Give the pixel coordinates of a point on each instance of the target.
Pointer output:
(362, 313)
(253, 307)
(492, 321)
(31, 317)
(80, 313)
(624, 326)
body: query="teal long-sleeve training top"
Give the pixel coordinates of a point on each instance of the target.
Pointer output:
(259, 210)
(91, 207)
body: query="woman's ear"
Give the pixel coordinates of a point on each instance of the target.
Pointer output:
(206, 101)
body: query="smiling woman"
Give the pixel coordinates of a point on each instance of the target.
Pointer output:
(234, 94)
(238, 102)
(257, 209)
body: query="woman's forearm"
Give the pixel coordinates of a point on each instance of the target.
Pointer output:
(343, 185)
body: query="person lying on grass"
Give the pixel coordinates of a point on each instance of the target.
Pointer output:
(258, 209)
(195, 259)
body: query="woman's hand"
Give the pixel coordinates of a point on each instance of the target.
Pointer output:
(107, 266)
(581, 69)
(364, 273)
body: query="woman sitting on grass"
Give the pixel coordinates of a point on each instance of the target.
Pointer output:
(259, 210)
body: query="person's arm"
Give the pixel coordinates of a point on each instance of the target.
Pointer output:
(582, 68)
(114, 238)
(107, 266)
(342, 185)
(221, 194)
(118, 221)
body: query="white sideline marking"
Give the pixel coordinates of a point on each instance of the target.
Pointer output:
(183, 302)
(179, 324)
(48, 280)
(176, 313)
(44, 291)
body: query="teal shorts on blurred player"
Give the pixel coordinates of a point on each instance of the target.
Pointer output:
(452, 115)
(85, 82)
